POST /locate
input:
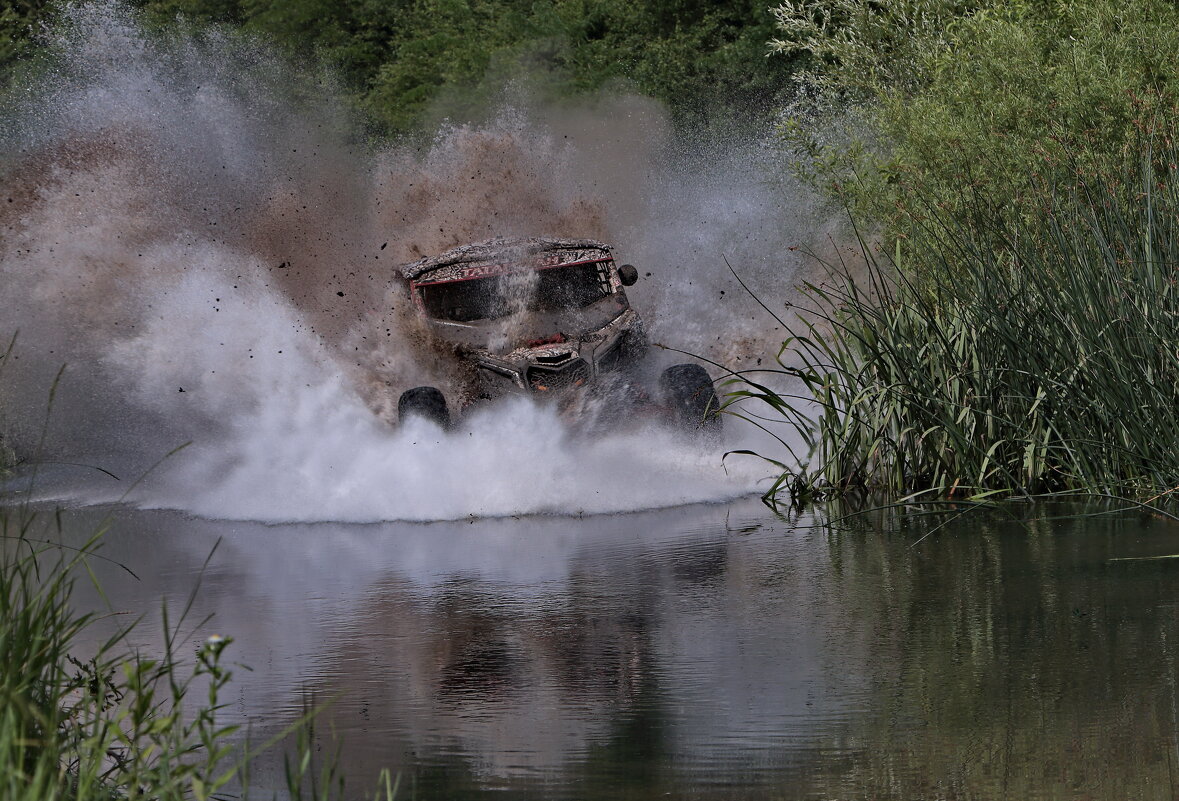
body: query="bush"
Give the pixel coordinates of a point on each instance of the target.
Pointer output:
(7, 454)
(411, 62)
(115, 724)
(1046, 365)
(950, 99)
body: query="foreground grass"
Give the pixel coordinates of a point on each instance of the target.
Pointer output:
(1002, 357)
(7, 454)
(115, 724)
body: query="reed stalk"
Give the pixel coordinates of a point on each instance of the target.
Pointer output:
(999, 354)
(114, 723)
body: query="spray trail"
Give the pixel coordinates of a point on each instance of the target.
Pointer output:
(212, 254)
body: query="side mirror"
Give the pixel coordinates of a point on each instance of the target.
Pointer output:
(628, 275)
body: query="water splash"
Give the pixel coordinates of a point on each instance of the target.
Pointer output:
(200, 237)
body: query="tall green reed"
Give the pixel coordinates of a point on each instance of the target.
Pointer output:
(7, 454)
(995, 353)
(111, 722)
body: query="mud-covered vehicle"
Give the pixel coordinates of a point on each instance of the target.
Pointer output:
(547, 318)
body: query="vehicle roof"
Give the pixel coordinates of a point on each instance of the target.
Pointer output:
(498, 248)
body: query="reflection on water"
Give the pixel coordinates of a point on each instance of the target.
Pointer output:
(701, 652)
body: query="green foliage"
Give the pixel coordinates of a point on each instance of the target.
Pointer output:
(406, 60)
(859, 48)
(1019, 158)
(18, 22)
(1046, 365)
(98, 728)
(447, 55)
(21, 21)
(115, 725)
(7, 454)
(956, 97)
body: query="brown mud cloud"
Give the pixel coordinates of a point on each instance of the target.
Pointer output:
(176, 222)
(100, 223)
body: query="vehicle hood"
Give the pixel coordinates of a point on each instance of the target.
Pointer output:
(506, 334)
(506, 250)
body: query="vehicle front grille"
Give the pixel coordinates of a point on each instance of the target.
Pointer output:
(612, 359)
(553, 379)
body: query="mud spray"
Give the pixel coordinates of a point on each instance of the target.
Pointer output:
(210, 251)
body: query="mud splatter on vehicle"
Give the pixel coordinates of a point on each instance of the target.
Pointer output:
(548, 318)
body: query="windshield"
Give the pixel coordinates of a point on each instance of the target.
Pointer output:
(550, 289)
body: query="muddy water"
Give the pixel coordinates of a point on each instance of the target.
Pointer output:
(711, 651)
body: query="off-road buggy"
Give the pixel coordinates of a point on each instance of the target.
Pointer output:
(547, 318)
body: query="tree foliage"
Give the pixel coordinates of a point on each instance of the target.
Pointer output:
(403, 60)
(955, 99)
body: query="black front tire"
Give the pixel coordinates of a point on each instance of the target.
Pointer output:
(425, 402)
(688, 391)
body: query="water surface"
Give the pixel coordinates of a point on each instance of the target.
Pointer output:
(716, 651)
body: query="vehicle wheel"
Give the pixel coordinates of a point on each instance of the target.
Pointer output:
(688, 390)
(425, 402)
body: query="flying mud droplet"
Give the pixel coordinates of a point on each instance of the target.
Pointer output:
(214, 257)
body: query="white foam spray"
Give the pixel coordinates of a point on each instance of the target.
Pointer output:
(212, 255)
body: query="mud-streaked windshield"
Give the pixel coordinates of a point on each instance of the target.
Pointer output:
(547, 290)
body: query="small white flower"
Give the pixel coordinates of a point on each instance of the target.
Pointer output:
(214, 640)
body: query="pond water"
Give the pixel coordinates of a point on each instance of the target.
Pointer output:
(713, 651)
